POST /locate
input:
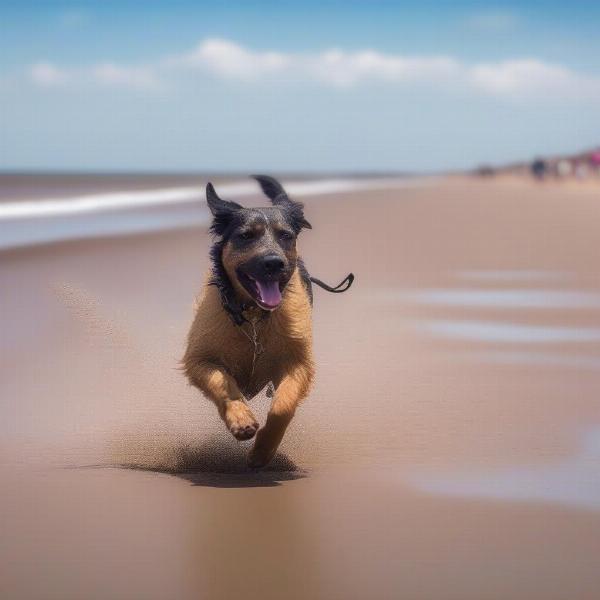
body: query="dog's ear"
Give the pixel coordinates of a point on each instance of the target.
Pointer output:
(278, 196)
(272, 189)
(223, 211)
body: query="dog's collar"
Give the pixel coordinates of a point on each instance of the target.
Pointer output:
(237, 313)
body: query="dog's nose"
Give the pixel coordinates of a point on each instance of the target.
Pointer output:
(273, 264)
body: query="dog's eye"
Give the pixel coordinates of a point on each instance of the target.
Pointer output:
(246, 235)
(285, 235)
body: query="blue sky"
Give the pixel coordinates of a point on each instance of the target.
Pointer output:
(246, 86)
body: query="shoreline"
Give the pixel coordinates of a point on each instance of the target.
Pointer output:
(29, 222)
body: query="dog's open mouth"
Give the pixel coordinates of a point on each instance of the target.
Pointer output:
(266, 293)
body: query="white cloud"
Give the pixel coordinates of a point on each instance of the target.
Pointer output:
(117, 75)
(514, 79)
(48, 75)
(522, 78)
(533, 78)
(343, 68)
(227, 59)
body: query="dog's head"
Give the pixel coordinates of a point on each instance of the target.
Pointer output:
(256, 247)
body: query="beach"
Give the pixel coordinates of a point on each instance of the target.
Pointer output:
(450, 447)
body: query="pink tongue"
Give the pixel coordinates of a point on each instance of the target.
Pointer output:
(269, 293)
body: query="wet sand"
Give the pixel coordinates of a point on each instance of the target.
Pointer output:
(450, 448)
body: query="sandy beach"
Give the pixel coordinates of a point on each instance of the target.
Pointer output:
(450, 448)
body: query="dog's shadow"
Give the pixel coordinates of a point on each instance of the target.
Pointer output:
(212, 464)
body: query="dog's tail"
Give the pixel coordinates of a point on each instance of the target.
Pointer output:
(339, 288)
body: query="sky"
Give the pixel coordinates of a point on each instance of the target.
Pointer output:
(241, 86)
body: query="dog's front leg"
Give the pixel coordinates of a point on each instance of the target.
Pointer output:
(222, 389)
(291, 390)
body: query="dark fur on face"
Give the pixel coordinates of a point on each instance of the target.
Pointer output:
(254, 255)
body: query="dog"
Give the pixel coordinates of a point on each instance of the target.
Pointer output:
(252, 326)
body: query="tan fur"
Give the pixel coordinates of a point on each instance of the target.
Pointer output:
(219, 357)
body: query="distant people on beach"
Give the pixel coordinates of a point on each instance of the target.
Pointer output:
(582, 166)
(564, 168)
(539, 168)
(485, 171)
(595, 161)
(582, 170)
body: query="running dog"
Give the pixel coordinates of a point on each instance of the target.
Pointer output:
(252, 327)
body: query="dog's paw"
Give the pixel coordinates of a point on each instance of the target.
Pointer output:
(240, 420)
(260, 455)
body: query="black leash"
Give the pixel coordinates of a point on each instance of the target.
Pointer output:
(339, 288)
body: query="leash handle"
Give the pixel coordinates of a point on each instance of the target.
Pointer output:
(343, 286)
